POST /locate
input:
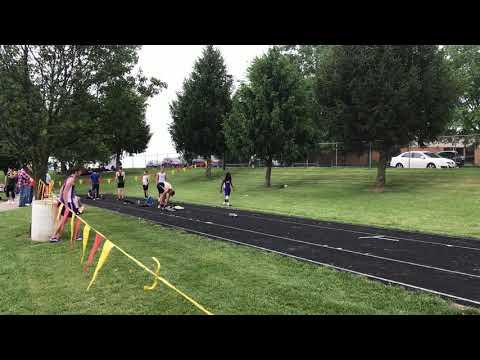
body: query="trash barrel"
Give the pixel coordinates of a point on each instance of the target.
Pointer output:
(43, 219)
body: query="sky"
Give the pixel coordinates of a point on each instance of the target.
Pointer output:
(172, 64)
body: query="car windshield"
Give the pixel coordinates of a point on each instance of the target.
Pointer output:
(432, 155)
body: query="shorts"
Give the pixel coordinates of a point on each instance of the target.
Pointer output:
(70, 206)
(227, 191)
(145, 187)
(120, 185)
(161, 187)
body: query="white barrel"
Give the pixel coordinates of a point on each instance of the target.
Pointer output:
(43, 219)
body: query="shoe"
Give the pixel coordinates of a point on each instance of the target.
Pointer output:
(54, 240)
(79, 238)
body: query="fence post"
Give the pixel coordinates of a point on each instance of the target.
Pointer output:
(336, 154)
(370, 156)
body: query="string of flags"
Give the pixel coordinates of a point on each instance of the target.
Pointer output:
(75, 225)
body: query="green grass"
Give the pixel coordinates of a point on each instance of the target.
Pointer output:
(444, 201)
(42, 278)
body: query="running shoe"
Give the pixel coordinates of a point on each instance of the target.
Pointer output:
(54, 240)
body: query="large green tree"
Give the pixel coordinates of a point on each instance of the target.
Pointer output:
(386, 96)
(39, 86)
(464, 61)
(201, 108)
(123, 105)
(270, 116)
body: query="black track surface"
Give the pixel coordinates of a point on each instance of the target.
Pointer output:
(444, 265)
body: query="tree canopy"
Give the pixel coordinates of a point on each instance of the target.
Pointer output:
(201, 107)
(386, 96)
(270, 117)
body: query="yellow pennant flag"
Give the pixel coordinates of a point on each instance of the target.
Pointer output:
(173, 172)
(71, 227)
(81, 181)
(59, 212)
(59, 183)
(157, 272)
(195, 166)
(107, 247)
(184, 169)
(109, 181)
(86, 232)
(136, 178)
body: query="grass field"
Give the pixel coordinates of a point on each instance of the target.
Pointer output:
(445, 201)
(227, 279)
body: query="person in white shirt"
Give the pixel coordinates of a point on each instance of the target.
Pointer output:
(145, 181)
(166, 192)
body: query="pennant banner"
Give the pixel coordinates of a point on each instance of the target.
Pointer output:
(157, 272)
(71, 229)
(93, 250)
(107, 247)
(86, 233)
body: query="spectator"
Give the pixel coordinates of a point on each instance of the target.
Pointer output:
(23, 186)
(32, 190)
(95, 180)
(10, 180)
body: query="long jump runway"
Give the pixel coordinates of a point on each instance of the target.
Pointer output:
(446, 266)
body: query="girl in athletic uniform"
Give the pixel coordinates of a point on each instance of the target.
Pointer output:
(227, 187)
(11, 180)
(165, 191)
(160, 179)
(67, 198)
(120, 179)
(145, 180)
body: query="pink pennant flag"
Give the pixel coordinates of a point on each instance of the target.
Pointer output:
(96, 245)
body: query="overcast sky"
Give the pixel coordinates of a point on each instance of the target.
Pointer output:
(172, 64)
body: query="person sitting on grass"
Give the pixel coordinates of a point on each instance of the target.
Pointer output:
(68, 199)
(227, 187)
(165, 191)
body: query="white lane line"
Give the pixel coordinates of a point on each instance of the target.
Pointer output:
(347, 230)
(333, 248)
(380, 237)
(311, 261)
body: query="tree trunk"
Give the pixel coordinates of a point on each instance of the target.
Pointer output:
(208, 169)
(224, 166)
(39, 172)
(117, 160)
(381, 167)
(268, 173)
(63, 167)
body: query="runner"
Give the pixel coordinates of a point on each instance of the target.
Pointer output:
(161, 176)
(145, 181)
(120, 180)
(68, 198)
(165, 191)
(227, 187)
(95, 181)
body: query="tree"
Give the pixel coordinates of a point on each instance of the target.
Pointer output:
(201, 108)
(123, 105)
(464, 61)
(385, 95)
(270, 117)
(39, 84)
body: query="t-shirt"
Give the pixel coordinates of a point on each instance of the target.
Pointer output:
(145, 179)
(120, 177)
(23, 178)
(95, 178)
(161, 177)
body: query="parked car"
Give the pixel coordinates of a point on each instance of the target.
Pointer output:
(452, 155)
(171, 162)
(199, 162)
(153, 164)
(217, 163)
(421, 159)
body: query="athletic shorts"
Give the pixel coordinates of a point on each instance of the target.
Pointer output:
(145, 187)
(161, 187)
(120, 185)
(227, 191)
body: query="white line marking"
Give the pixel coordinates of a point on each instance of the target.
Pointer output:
(347, 230)
(380, 237)
(328, 247)
(312, 261)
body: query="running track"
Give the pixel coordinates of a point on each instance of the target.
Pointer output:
(446, 266)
